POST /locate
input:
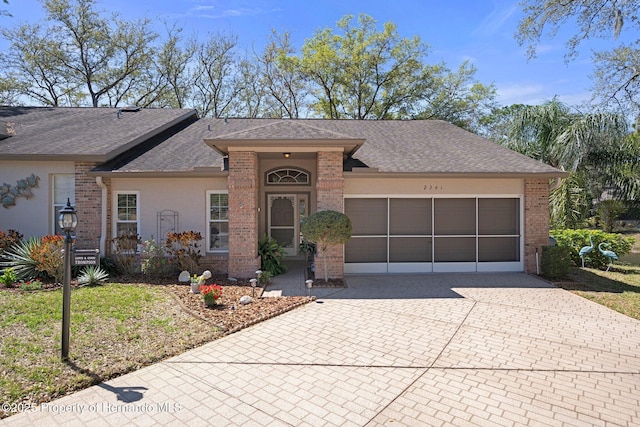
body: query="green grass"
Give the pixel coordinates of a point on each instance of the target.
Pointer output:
(632, 259)
(618, 289)
(114, 329)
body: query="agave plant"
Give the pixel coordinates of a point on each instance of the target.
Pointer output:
(19, 258)
(92, 275)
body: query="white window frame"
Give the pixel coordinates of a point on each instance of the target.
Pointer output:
(293, 173)
(209, 221)
(116, 221)
(55, 207)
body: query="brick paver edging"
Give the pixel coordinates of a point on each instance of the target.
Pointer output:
(247, 324)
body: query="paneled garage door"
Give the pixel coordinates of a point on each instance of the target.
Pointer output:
(444, 234)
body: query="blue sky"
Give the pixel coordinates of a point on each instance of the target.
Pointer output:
(481, 31)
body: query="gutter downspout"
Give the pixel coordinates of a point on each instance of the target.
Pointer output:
(103, 216)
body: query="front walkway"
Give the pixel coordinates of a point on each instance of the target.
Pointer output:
(476, 349)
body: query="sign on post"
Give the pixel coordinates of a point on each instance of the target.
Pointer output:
(86, 257)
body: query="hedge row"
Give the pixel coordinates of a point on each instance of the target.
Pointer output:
(577, 239)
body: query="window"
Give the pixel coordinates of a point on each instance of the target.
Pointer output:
(287, 177)
(64, 188)
(218, 230)
(127, 213)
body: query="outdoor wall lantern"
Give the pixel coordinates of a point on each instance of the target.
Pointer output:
(67, 220)
(286, 155)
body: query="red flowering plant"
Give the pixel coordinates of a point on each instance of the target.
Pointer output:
(211, 293)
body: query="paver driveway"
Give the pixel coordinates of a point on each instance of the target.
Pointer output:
(477, 349)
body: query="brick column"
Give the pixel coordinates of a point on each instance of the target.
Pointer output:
(330, 196)
(88, 206)
(243, 214)
(536, 223)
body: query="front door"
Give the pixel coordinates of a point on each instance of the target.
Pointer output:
(284, 215)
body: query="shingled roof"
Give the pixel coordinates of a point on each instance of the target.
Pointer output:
(392, 146)
(84, 134)
(165, 141)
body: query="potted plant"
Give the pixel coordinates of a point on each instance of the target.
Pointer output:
(198, 281)
(211, 294)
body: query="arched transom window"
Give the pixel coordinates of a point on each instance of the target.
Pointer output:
(288, 177)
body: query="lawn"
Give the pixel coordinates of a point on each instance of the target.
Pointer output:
(618, 289)
(115, 329)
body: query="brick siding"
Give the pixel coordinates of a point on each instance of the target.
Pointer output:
(536, 228)
(88, 206)
(242, 183)
(330, 196)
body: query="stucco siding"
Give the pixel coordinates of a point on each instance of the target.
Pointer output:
(32, 217)
(432, 186)
(186, 196)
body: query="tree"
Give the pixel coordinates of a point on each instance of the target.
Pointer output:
(617, 71)
(592, 147)
(80, 54)
(168, 79)
(38, 67)
(362, 73)
(325, 229)
(9, 90)
(358, 72)
(216, 76)
(4, 12)
(455, 97)
(285, 86)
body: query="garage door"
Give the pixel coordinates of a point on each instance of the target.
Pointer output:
(444, 234)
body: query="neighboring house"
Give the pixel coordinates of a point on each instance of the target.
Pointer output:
(423, 196)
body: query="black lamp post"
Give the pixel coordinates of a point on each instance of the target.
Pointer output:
(67, 220)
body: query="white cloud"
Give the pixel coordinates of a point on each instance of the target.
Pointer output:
(494, 21)
(520, 93)
(535, 94)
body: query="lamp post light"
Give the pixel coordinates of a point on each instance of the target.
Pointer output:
(309, 284)
(67, 220)
(253, 287)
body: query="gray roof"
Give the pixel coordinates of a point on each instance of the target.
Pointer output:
(90, 134)
(394, 146)
(173, 141)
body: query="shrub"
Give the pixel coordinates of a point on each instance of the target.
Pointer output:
(109, 266)
(183, 249)
(48, 255)
(8, 239)
(271, 254)
(308, 248)
(327, 228)
(608, 212)
(125, 248)
(8, 277)
(576, 239)
(153, 261)
(92, 276)
(31, 285)
(19, 258)
(556, 262)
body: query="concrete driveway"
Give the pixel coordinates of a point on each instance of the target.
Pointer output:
(406, 350)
